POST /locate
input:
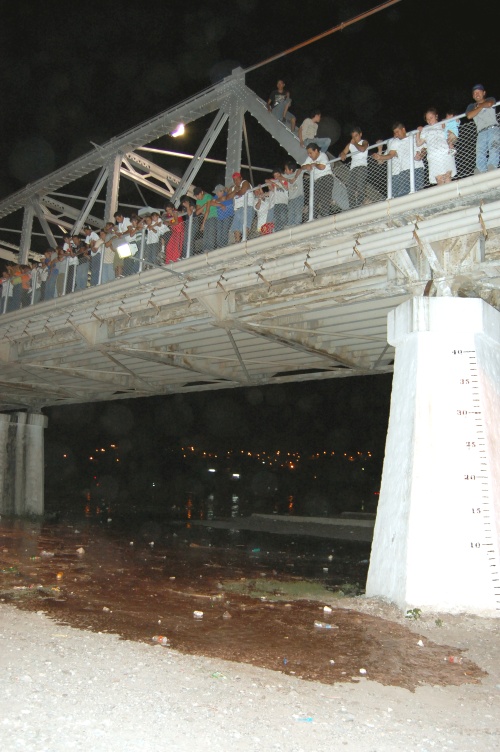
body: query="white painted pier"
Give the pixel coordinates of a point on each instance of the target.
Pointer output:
(437, 531)
(22, 463)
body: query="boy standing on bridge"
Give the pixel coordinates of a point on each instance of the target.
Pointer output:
(488, 133)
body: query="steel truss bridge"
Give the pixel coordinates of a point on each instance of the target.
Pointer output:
(309, 302)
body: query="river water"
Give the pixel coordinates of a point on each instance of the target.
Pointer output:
(259, 595)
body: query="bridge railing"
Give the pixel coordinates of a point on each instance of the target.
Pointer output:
(438, 153)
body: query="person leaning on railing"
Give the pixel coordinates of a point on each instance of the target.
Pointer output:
(279, 186)
(104, 246)
(440, 161)
(264, 205)
(399, 153)
(175, 242)
(14, 272)
(320, 170)
(483, 112)
(7, 291)
(208, 212)
(37, 284)
(237, 193)
(357, 148)
(82, 270)
(225, 214)
(152, 241)
(191, 243)
(295, 179)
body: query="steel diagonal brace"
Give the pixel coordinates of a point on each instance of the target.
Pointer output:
(175, 359)
(42, 218)
(200, 154)
(35, 389)
(125, 368)
(304, 344)
(435, 264)
(59, 210)
(135, 177)
(403, 263)
(89, 203)
(153, 170)
(124, 381)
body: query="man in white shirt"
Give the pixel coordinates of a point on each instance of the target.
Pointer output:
(91, 238)
(398, 152)
(320, 171)
(121, 227)
(237, 193)
(308, 130)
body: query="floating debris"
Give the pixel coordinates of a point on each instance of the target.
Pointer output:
(161, 640)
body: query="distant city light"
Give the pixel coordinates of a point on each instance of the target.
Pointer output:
(211, 470)
(236, 475)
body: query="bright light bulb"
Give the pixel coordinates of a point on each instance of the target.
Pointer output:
(179, 131)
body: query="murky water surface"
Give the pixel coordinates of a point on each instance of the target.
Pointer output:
(260, 595)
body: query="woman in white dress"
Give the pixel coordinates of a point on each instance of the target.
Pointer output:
(440, 162)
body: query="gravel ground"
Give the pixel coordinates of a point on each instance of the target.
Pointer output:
(66, 689)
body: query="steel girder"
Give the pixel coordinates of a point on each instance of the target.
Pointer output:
(230, 99)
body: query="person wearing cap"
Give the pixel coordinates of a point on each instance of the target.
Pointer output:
(225, 214)
(241, 212)
(205, 209)
(483, 112)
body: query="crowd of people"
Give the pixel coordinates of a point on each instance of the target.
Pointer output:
(205, 221)
(120, 248)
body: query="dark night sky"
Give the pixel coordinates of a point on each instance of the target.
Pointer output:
(79, 72)
(73, 73)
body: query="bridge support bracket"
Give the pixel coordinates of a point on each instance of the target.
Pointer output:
(436, 539)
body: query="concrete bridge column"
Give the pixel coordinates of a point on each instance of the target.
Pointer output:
(22, 463)
(437, 533)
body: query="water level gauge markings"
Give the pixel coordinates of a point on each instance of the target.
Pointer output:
(473, 485)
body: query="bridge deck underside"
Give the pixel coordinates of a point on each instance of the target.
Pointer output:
(307, 303)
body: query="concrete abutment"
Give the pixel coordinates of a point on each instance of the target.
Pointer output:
(22, 463)
(437, 532)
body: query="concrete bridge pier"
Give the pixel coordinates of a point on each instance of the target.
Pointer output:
(437, 532)
(22, 463)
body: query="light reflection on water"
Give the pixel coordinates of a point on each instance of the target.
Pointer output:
(235, 506)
